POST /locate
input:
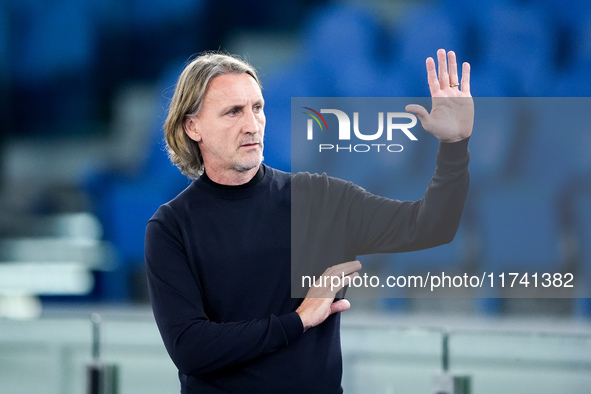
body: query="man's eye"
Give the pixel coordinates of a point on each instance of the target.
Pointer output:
(258, 108)
(233, 111)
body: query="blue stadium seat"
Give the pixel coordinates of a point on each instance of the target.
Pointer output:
(567, 13)
(164, 30)
(573, 81)
(53, 49)
(488, 80)
(145, 14)
(52, 40)
(581, 40)
(341, 42)
(471, 11)
(422, 30)
(520, 38)
(4, 54)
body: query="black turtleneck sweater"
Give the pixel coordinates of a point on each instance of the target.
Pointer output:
(218, 265)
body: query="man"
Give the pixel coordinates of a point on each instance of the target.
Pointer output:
(218, 255)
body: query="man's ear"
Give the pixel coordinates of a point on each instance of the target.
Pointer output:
(191, 129)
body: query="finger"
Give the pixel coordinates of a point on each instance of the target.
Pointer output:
(466, 77)
(341, 282)
(453, 68)
(330, 283)
(421, 112)
(416, 109)
(344, 268)
(443, 75)
(432, 76)
(339, 306)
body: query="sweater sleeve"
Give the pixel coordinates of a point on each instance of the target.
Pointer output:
(195, 344)
(386, 225)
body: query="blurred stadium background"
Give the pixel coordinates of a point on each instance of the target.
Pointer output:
(83, 94)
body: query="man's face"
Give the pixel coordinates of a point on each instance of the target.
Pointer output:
(231, 124)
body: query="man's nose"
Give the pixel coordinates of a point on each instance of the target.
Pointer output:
(251, 123)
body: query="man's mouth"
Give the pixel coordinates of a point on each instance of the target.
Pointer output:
(249, 144)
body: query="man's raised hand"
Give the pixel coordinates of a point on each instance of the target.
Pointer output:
(452, 109)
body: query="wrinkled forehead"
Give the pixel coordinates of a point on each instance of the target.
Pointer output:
(230, 86)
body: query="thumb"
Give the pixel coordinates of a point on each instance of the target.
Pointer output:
(339, 306)
(418, 110)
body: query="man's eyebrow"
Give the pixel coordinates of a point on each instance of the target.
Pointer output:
(230, 107)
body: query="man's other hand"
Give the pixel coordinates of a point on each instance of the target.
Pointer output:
(318, 304)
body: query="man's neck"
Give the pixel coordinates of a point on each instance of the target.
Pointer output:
(232, 177)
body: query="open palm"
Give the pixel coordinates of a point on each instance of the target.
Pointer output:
(452, 108)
